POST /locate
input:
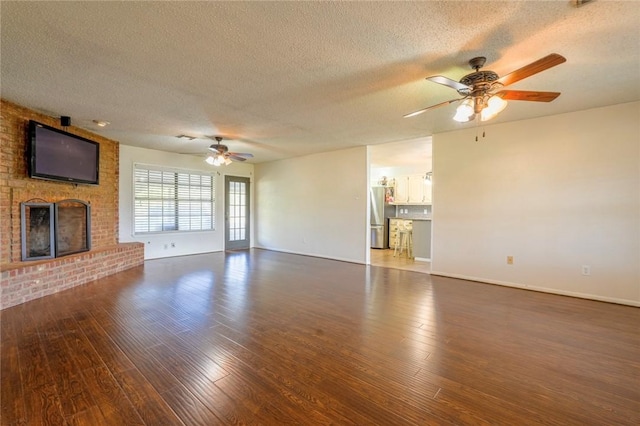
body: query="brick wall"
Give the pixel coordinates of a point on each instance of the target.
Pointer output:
(17, 187)
(19, 284)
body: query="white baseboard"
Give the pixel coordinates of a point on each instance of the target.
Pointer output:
(541, 289)
(322, 256)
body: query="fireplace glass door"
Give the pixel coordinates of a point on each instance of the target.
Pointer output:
(73, 224)
(38, 237)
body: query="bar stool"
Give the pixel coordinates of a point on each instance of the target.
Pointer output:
(404, 240)
(407, 235)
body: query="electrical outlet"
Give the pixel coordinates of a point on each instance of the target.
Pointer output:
(586, 270)
(166, 246)
(509, 260)
(173, 245)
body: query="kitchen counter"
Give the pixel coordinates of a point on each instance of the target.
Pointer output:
(421, 230)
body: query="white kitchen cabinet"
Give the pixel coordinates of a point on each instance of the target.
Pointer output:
(393, 231)
(401, 186)
(416, 189)
(412, 189)
(426, 188)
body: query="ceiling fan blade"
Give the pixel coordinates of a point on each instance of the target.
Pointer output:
(448, 82)
(242, 154)
(533, 68)
(420, 111)
(525, 95)
(235, 157)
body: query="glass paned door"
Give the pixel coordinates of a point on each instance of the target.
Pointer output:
(236, 213)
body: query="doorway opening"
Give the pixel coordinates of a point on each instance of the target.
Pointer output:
(400, 190)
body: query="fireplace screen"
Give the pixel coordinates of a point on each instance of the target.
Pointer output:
(55, 229)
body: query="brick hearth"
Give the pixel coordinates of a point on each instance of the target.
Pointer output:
(26, 281)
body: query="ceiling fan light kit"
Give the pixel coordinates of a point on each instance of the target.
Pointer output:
(482, 93)
(217, 160)
(465, 111)
(494, 106)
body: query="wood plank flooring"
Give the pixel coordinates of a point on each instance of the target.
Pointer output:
(385, 258)
(260, 337)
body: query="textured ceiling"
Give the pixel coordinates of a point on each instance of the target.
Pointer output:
(284, 79)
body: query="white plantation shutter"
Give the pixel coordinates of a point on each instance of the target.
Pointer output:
(172, 200)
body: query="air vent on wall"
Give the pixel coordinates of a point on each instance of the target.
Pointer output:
(579, 3)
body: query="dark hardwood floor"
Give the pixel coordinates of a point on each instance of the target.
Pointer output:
(260, 337)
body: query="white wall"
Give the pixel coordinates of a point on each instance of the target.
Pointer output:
(185, 242)
(555, 192)
(315, 205)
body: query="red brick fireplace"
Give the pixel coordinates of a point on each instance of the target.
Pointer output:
(22, 281)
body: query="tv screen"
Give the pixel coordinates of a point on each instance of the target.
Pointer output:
(57, 155)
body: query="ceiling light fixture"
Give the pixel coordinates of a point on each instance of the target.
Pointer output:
(101, 123)
(488, 106)
(217, 160)
(464, 112)
(494, 105)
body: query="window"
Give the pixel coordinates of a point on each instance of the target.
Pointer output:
(172, 200)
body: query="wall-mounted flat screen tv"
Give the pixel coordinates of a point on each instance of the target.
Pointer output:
(61, 156)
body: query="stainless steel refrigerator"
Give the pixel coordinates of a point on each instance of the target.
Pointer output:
(380, 212)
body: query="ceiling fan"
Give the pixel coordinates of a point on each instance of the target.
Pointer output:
(481, 90)
(220, 154)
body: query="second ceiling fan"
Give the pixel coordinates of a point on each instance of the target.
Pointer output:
(481, 90)
(220, 154)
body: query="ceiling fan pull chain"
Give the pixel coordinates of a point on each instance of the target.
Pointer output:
(483, 134)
